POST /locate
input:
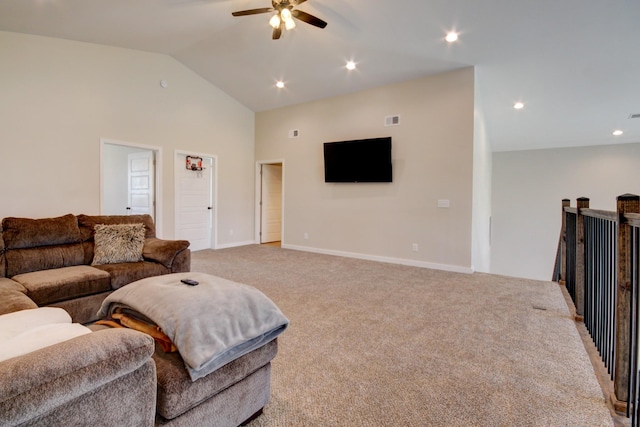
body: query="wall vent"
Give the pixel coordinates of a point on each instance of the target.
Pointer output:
(634, 116)
(293, 133)
(392, 121)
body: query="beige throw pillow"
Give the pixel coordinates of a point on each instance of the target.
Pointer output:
(118, 243)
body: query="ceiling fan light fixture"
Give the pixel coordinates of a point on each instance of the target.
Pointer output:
(285, 14)
(283, 19)
(289, 24)
(287, 17)
(275, 21)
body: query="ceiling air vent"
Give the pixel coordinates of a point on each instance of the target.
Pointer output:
(392, 120)
(293, 133)
(634, 116)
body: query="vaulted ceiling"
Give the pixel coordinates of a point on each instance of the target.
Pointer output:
(575, 64)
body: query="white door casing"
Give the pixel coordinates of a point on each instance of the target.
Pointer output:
(195, 209)
(271, 203)
(140, 184)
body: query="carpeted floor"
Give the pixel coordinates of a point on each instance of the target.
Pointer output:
(375, 344)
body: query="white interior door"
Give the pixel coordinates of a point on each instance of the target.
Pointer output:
(271, 203)
(194, 203)
(140, 184)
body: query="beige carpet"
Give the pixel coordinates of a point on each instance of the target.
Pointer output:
(375, 344)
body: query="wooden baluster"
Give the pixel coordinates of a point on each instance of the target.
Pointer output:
(563, 243)
(627, 203)
(583, 203)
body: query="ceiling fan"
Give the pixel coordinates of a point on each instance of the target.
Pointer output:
(283, 19)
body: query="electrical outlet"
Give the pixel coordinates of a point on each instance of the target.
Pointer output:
(306, 236)
(231, 232)
(414, 247)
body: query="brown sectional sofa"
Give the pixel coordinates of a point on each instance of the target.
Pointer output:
(105, 378)
(110, 376)
(51, 259)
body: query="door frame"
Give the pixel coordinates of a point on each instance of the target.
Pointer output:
(258, 207)
(214, 188)
(157, 153)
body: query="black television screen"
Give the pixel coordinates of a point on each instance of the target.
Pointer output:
(361, 160)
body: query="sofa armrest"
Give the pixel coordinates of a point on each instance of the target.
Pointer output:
(40, 382)
(182, 262)
(13, 298)
(163, 251)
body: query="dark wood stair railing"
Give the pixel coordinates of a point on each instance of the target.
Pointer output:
(598, 262)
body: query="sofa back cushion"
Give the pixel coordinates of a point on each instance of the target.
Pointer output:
(39, 244)
(87, 225)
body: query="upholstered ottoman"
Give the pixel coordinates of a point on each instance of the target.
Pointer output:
(229, 396)
(225, 333)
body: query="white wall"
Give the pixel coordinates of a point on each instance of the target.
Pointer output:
(528, 188)
(59, 97)
(432, 160)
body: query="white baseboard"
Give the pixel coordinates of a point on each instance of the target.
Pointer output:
(235, 244)
(390, 260)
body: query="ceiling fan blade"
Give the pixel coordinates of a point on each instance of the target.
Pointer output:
(298, 2)
(309, 19)
(253, 11)
(277, 32)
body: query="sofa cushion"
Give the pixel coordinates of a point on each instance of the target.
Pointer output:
(13, 298)
(20, 233)
(177, 393)
(41, 244)
(25, 331)
(116, 243)
(11, 285)
(59, 284)
(127, 272)
(74, 374)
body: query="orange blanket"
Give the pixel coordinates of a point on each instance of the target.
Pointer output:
(119, 320)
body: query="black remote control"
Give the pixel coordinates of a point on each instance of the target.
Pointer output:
(189, 282)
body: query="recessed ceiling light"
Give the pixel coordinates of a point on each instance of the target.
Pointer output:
(351, 65)
(451, 36)
(280, 84)
(617, 132)
(518, 105)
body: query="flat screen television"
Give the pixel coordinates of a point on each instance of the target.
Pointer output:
(360, 160)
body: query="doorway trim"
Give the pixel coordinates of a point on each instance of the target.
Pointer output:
(214, 177)
(258, 208)
(157, 152)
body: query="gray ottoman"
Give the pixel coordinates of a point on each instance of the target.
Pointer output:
(206, 383)
(229, 396)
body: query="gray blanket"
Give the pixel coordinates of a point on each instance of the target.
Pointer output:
(211, 324)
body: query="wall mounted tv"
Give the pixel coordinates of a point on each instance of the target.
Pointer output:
(361, 160)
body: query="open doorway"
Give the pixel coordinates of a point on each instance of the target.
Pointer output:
(130, 179)
(270, 202)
